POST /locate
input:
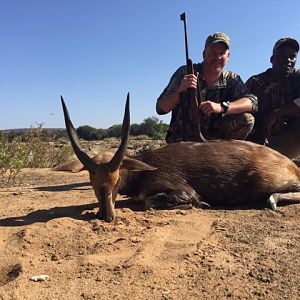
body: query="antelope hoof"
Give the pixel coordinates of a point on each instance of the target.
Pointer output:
(203, 205)
(273, 202)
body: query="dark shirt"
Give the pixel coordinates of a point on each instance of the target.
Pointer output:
(229, 87)
(273, 93)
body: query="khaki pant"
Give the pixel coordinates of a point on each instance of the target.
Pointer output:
(236, 126)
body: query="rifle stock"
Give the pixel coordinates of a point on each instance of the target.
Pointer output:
(193, 100)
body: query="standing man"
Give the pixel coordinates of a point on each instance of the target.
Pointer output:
(225, 104)
(277, 122)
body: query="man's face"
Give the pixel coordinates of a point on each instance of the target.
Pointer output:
(216, 57)
(284, 59)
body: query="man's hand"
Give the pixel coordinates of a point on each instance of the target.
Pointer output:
(188, 81)
(271, 120)
(210, 107)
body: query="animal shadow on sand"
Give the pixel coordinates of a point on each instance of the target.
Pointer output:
(64, 187)
(79, 212)
(84, 211)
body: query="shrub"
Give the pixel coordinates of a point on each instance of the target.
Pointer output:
(29, 151)
(13, 157)
(44, 154)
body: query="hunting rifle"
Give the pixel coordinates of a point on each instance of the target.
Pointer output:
(192, 97)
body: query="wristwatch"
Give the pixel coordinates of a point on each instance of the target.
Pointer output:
(225, 106)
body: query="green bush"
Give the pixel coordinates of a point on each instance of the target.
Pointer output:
(44, 154)
(141, 137)
(30, 151)
(13, 157)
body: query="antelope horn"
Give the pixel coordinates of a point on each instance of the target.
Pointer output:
(115, 162)
(89, 164)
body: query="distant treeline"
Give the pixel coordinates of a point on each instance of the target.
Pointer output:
(151, 127)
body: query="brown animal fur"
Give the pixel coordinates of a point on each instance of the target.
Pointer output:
(184, 174)
(217, 172)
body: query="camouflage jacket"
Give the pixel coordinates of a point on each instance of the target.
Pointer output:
(273, 93)
(229, 87)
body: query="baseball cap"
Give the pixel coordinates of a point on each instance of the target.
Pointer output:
(286, 40)
(217, 37)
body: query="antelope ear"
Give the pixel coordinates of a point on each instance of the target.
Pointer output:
(135, 165)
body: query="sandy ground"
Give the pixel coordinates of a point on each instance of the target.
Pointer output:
(48, 226)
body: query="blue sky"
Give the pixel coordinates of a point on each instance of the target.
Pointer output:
(94, 52)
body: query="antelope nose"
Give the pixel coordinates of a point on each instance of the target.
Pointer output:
(109, 219)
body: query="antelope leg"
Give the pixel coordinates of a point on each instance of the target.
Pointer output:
(275, 198)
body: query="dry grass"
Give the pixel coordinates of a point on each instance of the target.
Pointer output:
(36, 153)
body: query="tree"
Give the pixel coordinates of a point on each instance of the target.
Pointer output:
(135, 129)
(87, 132)
(154, 128)
(102, 134)
(115, 131)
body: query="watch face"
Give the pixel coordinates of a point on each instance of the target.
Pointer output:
(225, 106)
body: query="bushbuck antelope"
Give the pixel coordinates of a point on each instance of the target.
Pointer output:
(220, 172)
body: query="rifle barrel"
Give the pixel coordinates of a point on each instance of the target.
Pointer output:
(183, 18)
